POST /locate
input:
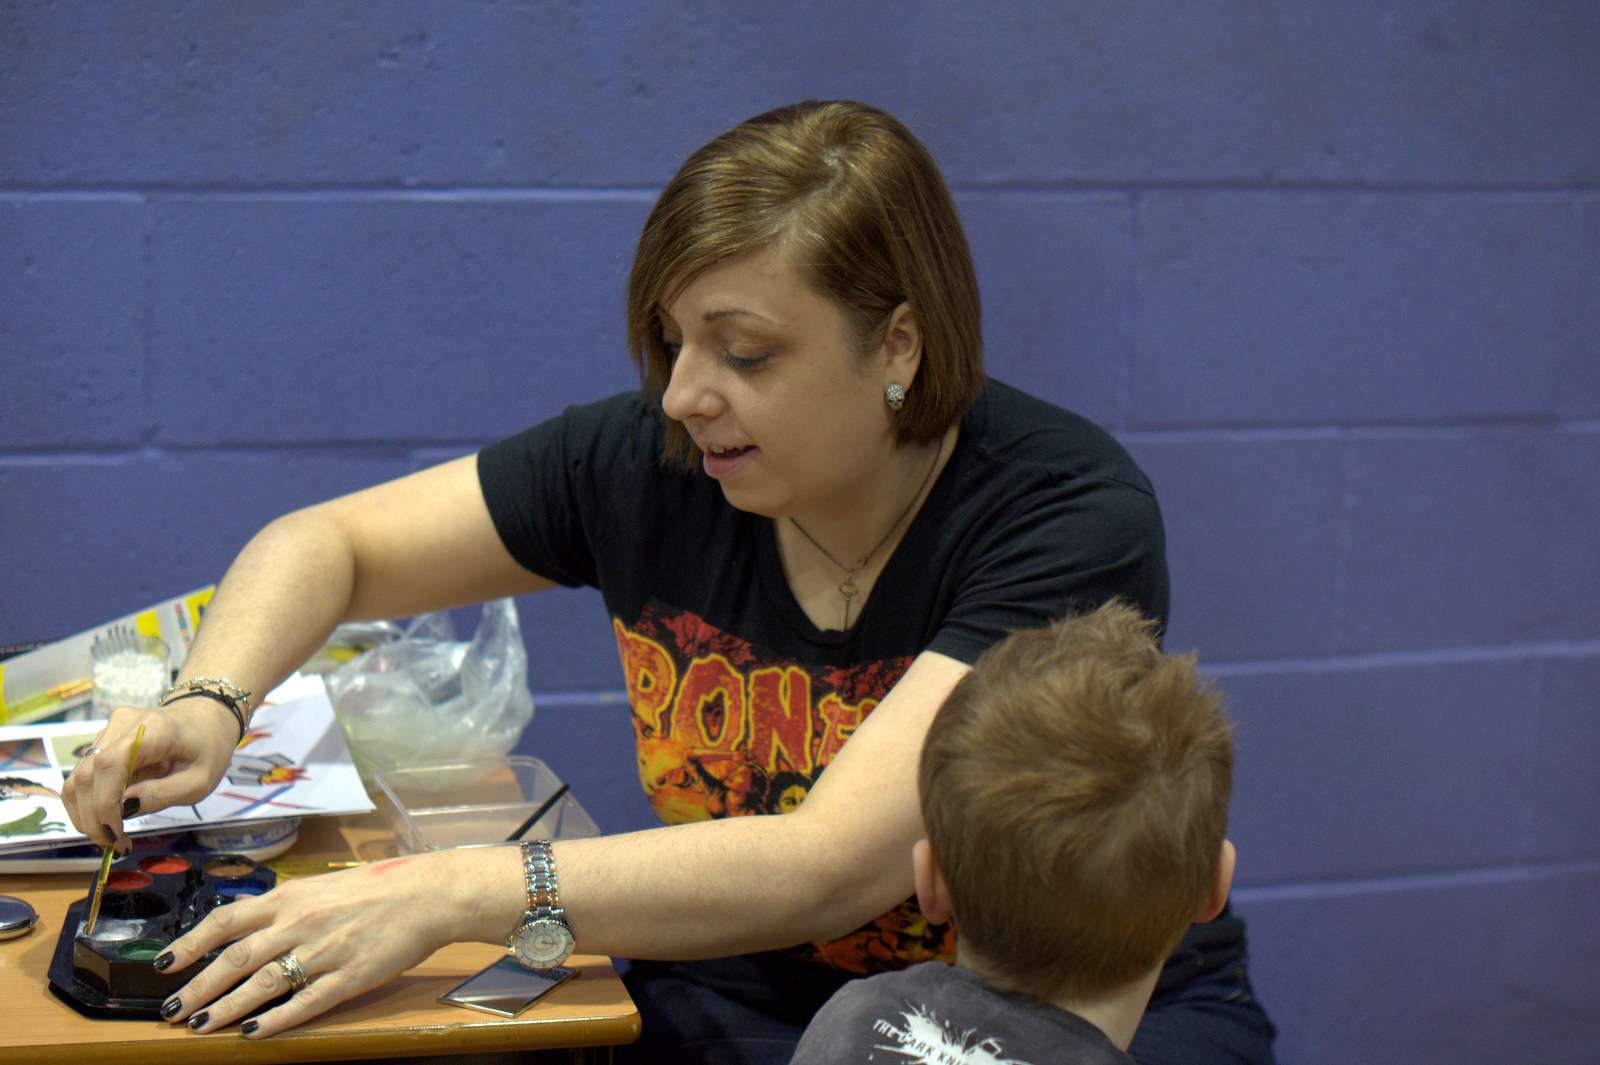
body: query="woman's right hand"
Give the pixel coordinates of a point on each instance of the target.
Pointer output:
(185, 749)
(349, 930)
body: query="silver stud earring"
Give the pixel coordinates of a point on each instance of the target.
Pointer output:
(894, 395)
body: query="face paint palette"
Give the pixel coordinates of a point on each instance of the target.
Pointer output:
(149, 900)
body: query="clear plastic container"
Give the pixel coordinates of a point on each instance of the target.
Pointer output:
(127, 669)
(460, 804)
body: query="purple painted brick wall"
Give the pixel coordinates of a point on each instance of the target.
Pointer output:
(1331, 271)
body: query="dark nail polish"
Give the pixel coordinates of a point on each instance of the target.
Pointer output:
(164, 961)
(170, 1008)
(249, 1027)
(198, 1020)
(130, 807)
(111, 837)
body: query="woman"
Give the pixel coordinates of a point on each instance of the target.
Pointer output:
(809, 522)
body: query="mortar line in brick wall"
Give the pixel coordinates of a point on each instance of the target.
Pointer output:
(144, 315)
(340, 193)
(1317, 890)
(1344, 538)
(1045, 187)
(1309, 187)
(1131, 437)
(1135, 311)
(1528, 808)
(1507, 652)
(1449, 427)
(387, 447)
(51, 453)
(603, 697)
(23, 195)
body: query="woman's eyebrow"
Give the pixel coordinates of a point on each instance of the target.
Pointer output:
(736, 312)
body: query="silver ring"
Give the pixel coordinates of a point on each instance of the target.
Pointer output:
(292, 971)
(92, 751)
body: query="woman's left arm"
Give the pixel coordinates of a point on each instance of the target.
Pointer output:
(744, 884)
(705, 889)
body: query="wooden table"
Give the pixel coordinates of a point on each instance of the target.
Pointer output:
(578, 1021)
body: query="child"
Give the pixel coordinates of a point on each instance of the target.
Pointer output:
(1075, 794)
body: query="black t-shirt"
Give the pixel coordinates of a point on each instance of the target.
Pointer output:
(738, 699)
(936, 1013)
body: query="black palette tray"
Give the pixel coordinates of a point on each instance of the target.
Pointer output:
(149, 900)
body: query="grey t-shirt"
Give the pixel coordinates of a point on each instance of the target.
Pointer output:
(937, 1014)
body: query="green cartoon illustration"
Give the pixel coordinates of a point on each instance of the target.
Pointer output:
(31, 825)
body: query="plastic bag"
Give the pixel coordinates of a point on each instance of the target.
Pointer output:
(349, 640)
(427, 697)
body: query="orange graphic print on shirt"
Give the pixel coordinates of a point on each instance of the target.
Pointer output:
(724, 730)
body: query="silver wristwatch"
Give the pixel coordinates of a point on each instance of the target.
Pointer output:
(542, 940)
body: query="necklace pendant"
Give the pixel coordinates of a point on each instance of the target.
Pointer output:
(849, 590)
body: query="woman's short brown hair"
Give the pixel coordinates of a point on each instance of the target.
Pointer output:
(865, 216)
(1075, 791)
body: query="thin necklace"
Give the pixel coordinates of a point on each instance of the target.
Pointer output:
(847, 587)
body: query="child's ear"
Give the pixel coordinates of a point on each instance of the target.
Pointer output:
(932, 895)
(1220, 885)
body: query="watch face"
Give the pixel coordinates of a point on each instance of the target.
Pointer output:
(543, 943)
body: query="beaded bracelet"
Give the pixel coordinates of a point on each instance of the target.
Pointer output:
(229, 688)
(235, 698)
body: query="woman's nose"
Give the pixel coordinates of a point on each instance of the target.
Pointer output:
(690, 390)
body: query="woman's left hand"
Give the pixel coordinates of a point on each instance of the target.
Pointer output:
(350, 931)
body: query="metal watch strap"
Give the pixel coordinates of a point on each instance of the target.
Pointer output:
(539, 861)
(539, 872)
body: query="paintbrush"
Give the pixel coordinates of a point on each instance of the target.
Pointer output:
(295, 870)
(110, 852)
(544, 808)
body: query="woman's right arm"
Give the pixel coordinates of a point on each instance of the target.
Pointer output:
(423, 542)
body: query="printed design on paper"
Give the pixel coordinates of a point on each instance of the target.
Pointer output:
(725, 728)
(305, 769)
(264, 770)
(22, 787)
(26, 753)
(925, 1040)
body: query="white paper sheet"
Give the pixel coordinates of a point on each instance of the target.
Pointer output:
(293, 762)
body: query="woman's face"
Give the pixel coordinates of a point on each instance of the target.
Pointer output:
(769, 381)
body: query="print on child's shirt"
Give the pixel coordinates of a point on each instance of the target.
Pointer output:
(725, 729)
(922, 1038)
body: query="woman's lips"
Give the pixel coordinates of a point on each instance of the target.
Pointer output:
(722, 463)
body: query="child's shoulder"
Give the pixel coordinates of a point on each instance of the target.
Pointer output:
(941, 1013)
